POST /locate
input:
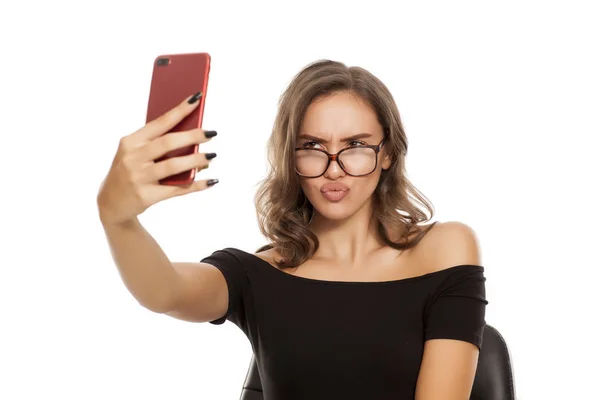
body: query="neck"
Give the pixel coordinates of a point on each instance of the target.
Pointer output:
(347, 241)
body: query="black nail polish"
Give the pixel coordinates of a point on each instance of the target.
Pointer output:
(210, 134)
(210, 156)
(212, 182)
(195, 98)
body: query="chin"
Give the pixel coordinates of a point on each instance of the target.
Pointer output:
(335, 211)
(339, 214)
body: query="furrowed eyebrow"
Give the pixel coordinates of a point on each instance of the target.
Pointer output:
(321, 140)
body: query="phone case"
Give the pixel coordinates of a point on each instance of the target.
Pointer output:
(175, 77)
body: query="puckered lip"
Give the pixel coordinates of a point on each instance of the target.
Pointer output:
(328, 187)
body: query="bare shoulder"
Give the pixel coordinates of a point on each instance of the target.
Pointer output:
(448, 244)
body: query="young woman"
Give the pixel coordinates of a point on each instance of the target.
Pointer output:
(354, 297)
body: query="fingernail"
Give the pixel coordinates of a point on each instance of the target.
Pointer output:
(195, 98)
(212, 182)
(210, 134)
(210, 156)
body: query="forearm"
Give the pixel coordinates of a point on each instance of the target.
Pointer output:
(144, 267)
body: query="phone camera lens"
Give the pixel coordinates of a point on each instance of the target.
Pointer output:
(162, 61)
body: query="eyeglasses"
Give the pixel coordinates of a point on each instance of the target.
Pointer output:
(355, 161)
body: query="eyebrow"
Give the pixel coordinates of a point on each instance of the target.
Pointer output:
(321, 140)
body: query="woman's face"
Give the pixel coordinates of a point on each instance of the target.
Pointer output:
(333, 123)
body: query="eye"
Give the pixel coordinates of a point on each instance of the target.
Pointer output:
(309, 144)
(360, 142)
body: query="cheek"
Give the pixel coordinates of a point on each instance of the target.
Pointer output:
(310, 187)
(368, 186)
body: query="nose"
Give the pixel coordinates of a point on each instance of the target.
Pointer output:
(334, 170)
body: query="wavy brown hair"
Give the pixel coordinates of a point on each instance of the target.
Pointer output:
(283, 211)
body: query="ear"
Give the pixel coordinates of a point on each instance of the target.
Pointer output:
(387, 162)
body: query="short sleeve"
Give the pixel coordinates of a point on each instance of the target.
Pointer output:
(237, 285)
(457, 310)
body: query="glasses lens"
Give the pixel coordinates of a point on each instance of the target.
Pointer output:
(359, 160)
(310, 162)
(356, 161)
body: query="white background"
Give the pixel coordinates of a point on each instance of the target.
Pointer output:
(500, 103)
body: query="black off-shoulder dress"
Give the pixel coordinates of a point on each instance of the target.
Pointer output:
(316, 339)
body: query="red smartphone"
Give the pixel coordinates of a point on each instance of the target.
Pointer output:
(175, 77)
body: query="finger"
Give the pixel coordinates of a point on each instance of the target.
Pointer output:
(174, 140)
(196, 186)
(171, 118)
(175, 165)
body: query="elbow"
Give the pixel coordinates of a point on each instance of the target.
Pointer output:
(156, 308)
(156, 304)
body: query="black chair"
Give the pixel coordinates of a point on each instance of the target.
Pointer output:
(493, 379)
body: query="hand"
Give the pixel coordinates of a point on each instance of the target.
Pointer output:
(132, 186)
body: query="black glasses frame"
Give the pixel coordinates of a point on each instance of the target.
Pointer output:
(336, 157)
